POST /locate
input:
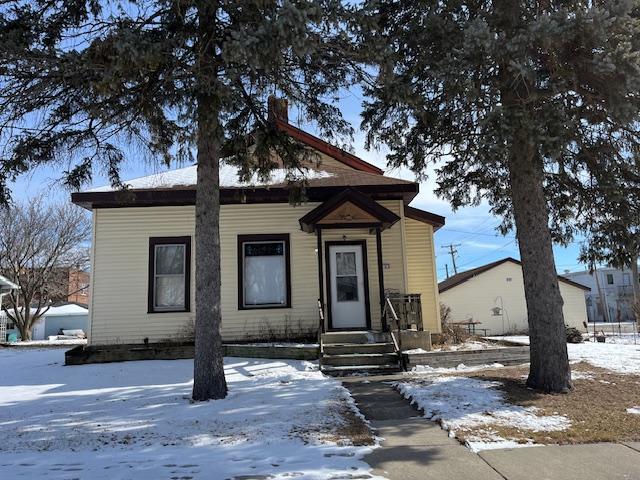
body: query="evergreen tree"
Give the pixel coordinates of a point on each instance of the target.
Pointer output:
(80, 80)
(520, 100)
(612, 223)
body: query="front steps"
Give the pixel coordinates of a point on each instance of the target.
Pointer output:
(348, 353)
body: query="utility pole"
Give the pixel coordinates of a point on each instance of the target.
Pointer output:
(446, 267)
(453, 252)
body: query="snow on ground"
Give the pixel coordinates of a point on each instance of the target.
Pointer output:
(468, 345)
(519, 339)
(461, 403)
(134, 420)
(619, 357)
(615, 357)
(623, 339)
(49, 343)
(422, 369)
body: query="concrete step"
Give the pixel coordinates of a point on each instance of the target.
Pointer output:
(356, 359)
(346, 348)
(355, 337)
(339, 371)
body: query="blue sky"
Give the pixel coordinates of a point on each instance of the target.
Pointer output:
(472, 227)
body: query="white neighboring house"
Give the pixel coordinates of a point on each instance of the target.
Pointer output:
(615, 295)
(64, 317)
(6, 286)
(494, 295)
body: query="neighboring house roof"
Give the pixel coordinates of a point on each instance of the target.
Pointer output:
(462, 277)
(7, 284)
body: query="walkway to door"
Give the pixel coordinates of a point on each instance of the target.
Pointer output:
(414, 448)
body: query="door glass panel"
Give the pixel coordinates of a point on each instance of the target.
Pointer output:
(346, 263)
(347, 288)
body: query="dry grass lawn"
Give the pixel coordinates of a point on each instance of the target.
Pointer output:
(342, 426)
(596, 407)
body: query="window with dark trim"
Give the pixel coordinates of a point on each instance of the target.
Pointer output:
(169, 274)
(264, 271)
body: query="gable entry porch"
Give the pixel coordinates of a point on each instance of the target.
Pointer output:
(348, 228)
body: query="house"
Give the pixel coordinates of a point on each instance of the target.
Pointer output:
(6, 286)
(69, 316)
(69, 284)
(494, 296)
(78, 287)
(64, 284)
(354, 239)
(611, 296)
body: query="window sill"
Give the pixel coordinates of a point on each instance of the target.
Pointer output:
(264, 307)
(179, 310)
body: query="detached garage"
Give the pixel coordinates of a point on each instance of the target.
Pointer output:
(64, 317)
(494, 296)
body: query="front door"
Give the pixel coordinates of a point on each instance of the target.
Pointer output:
(348, 284)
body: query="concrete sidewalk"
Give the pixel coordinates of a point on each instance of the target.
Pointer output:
(414, 448)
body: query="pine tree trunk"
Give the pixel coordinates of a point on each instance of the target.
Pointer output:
(549, 371)
(208, 376)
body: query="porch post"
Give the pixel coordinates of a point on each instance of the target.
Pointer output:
(380, 276)
(320, 269)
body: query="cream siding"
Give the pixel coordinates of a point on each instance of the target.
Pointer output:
(476, 297)
(421, 271)
(120, 271)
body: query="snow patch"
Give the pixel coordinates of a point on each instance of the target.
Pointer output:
(426, 369)
(621, 357)
(581, 375)
(461, 403)
(415, 351)
(106, 421)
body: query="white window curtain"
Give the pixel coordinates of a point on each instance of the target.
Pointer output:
(169, 276)
(264, 274)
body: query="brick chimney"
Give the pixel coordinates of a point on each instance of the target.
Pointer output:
(278, 108)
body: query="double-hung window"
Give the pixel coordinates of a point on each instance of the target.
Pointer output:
(264, 277)
(169, 274)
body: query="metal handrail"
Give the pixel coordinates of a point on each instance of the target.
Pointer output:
(320, 326)
(397, 342)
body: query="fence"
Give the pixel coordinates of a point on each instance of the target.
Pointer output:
(613, 328)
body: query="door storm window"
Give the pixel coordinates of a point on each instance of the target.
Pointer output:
(264, 271)
(346, 277)
(169, 274)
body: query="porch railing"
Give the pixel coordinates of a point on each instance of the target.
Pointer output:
(408, 309)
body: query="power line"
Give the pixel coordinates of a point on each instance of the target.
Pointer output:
(477, 233)
(489, 253)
